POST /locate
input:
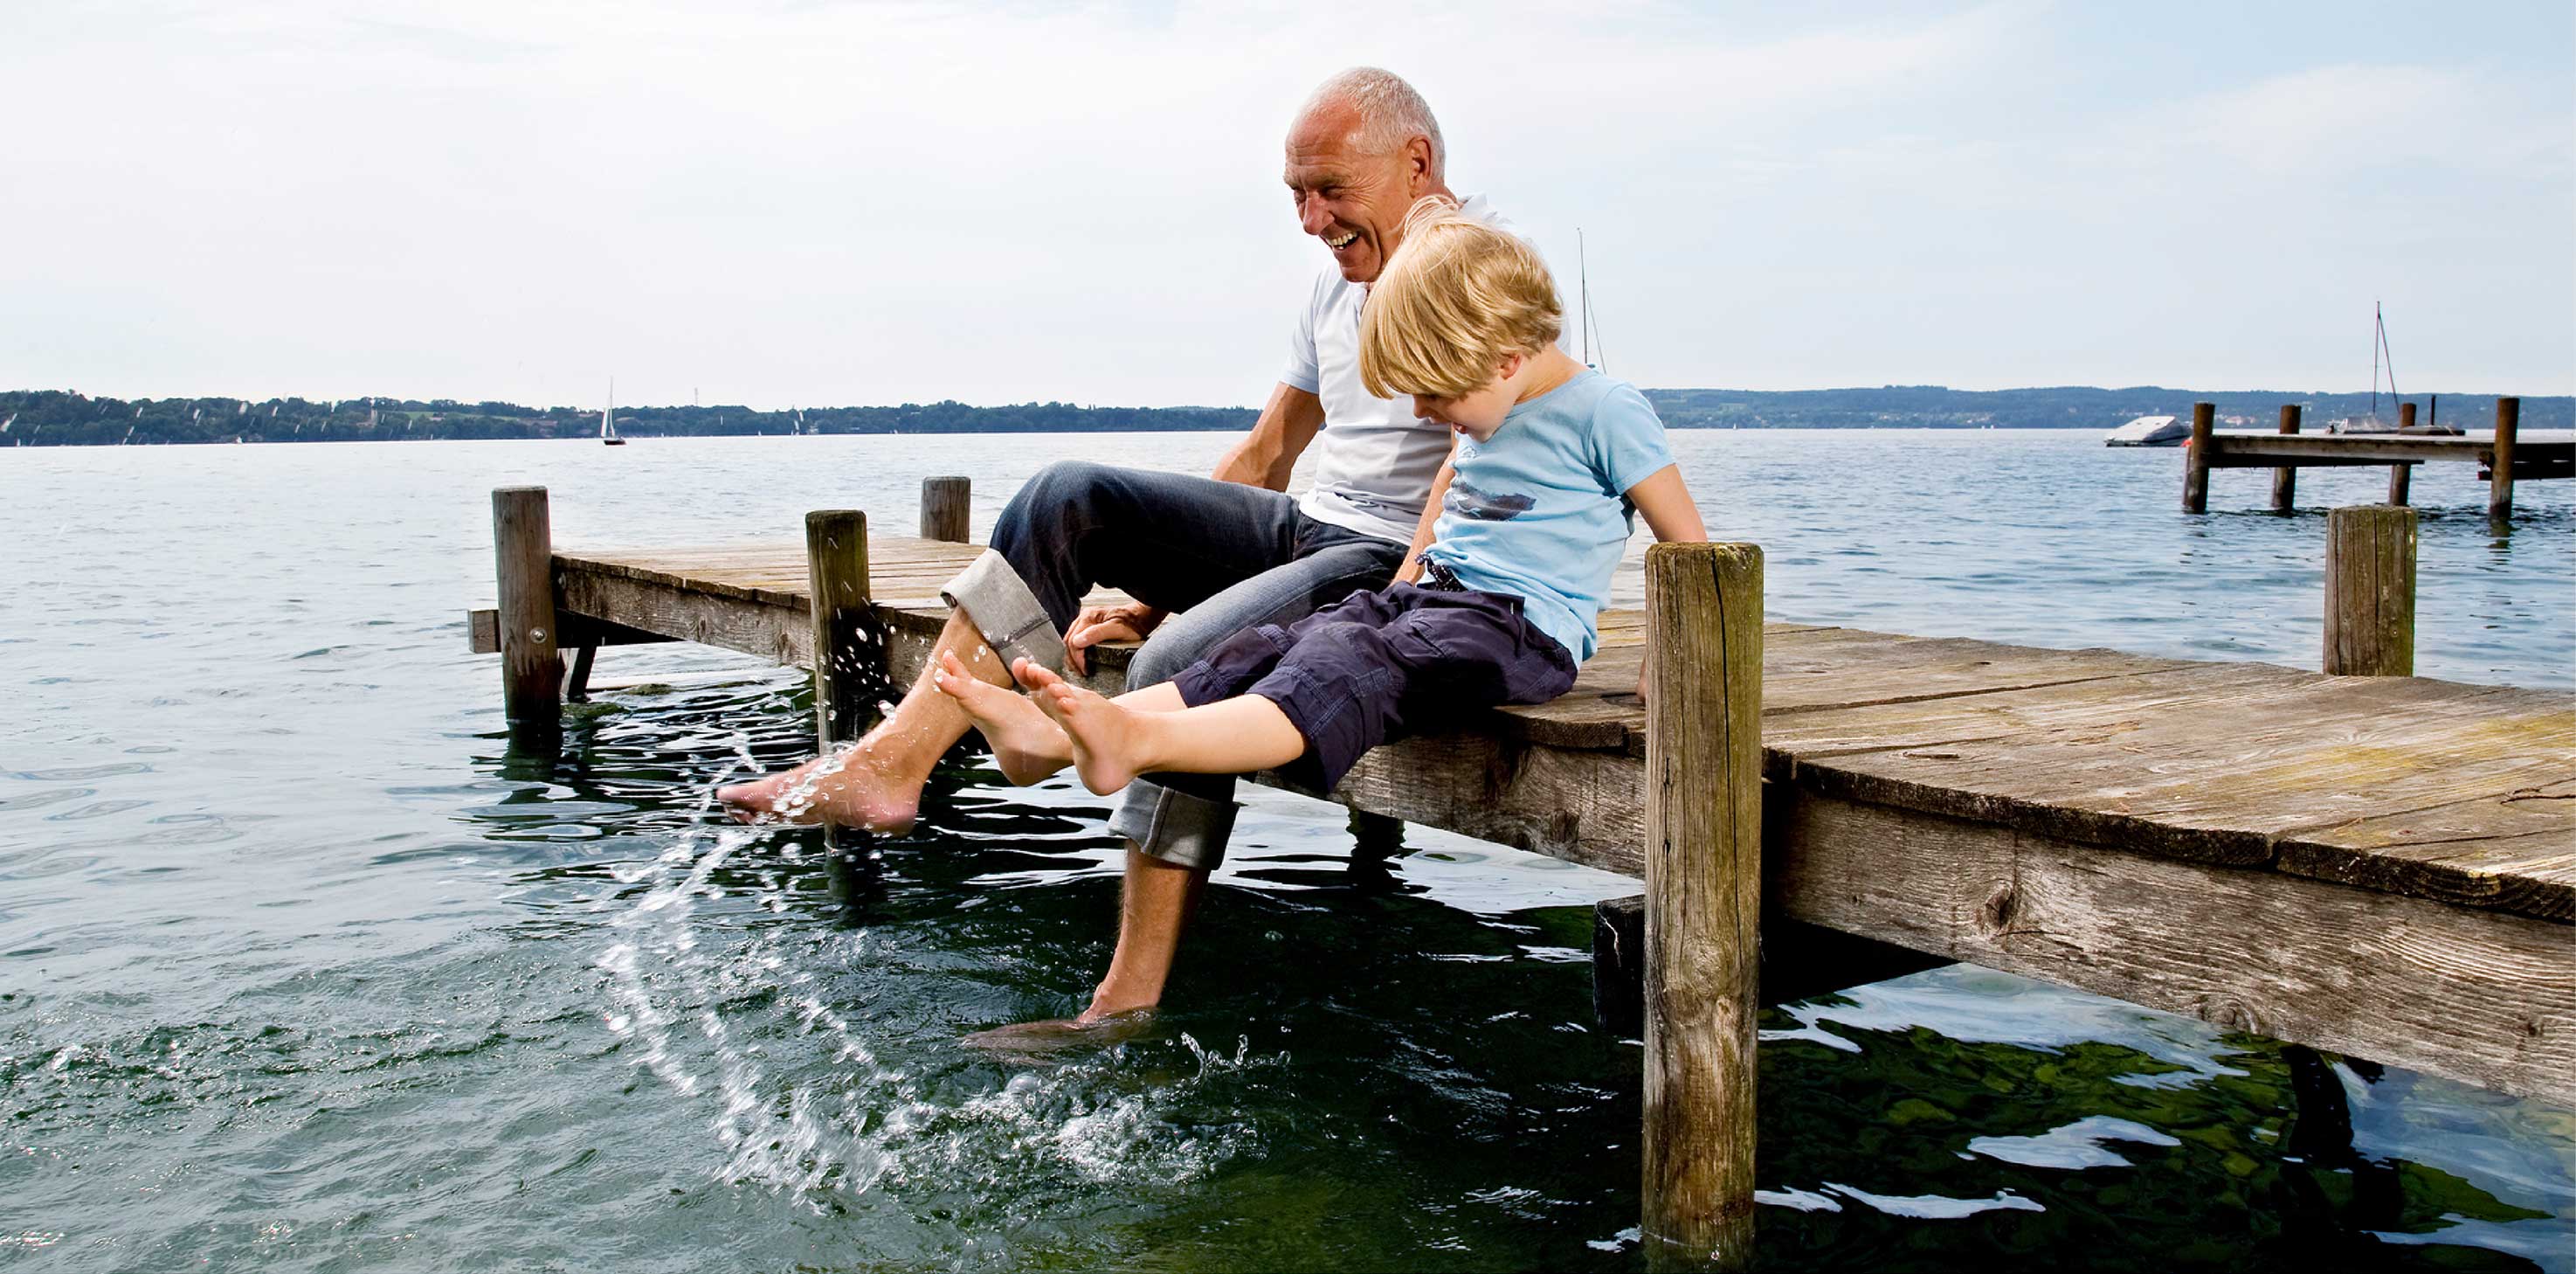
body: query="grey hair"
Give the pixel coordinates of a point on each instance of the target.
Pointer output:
(1391, 112)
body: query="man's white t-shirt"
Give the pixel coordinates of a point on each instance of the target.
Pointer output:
(1375, 462)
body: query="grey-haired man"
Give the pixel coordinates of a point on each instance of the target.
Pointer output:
(1204, 557)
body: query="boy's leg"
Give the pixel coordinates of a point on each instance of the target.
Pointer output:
(1027, 745)
(1169, 539)
(1113, 743)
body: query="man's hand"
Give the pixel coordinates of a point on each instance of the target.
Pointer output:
(1097, 624)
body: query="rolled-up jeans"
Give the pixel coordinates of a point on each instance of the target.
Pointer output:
(1226, 556)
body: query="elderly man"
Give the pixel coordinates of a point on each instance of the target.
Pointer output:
(1205, 557)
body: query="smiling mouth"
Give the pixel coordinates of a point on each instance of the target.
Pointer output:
(1344, 241)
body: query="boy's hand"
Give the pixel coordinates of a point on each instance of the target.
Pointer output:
(1097, 624)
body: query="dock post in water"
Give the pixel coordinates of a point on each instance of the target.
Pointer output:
(2500, 472)
(2285, 480)
(836, 559)
(2370, 591)
(523, 567)
(947, 509)
(2195, 461)
(2401, 476)
(1703, 789)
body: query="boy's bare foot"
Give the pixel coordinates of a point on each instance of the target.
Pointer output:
(1106, 739)
(1026, 745)
(861, 786)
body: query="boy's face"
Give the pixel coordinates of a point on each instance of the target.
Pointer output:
(1476, 414)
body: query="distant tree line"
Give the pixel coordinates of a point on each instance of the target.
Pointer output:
(58, 418)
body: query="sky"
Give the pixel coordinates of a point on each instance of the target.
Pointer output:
(825, 203)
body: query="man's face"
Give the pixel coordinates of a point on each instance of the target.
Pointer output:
(1354, 202)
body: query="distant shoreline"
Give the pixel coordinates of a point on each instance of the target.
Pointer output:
(61, 418)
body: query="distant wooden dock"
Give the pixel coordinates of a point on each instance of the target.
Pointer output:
(2505, 454)
(2383, 866)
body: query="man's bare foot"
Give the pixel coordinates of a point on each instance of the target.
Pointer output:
(859, 786)
(1106, 739)
(1034, 1040)
(1026, 745)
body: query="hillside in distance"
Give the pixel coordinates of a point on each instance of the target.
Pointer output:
(61, 418)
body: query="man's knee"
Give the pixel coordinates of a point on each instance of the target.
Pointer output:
(1158, 661)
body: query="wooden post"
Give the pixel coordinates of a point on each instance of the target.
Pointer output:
(2285, 480)
(836, 558)
(2370, 591)
(2500, 474)
(836, 563)
(1703, 901)
(2195, 460)
(947, 507)
(577, 683)
(2400, 476)
(523, 560)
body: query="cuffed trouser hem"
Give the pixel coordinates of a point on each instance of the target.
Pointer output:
(1003, 609)
(1174, 826)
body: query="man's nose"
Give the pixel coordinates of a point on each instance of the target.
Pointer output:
(1311, 214)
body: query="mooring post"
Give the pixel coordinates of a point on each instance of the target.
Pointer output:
(947, 509)
(1703, 901)
(2370, 591)
(523, 562)
(2195, 461)
(2285, 480)
(836, 562)
(2401, 476)
(2500, 475)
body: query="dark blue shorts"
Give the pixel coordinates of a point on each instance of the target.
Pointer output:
(1379, 666)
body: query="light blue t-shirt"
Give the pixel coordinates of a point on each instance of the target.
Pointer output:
(1540, 510)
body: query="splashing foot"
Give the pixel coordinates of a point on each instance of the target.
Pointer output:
(860, 786)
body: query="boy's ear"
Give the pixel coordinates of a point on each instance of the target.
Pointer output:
(1512, 363)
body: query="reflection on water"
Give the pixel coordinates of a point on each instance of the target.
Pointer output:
(306, 968)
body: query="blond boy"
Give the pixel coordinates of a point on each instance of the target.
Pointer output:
(1499, 600)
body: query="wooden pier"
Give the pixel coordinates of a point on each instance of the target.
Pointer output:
(2505, 455)
(2383, 866)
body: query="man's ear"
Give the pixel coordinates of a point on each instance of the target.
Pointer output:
(1417, 164)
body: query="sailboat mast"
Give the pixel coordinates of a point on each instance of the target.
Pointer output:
(2378, 334)
(1583, 314)
(607, 423)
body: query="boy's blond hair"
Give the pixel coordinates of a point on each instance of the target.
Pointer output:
(1458, 297)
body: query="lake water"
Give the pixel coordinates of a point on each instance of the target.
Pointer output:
(302, 968)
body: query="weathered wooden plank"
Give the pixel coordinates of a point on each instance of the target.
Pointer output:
(2473, 995)
(483, 631)
(773, 632)
(2304, 752)
(2512, 852)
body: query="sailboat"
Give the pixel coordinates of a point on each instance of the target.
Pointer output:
(2372, 424)
(608, 418)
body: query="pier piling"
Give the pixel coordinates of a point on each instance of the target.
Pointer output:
(2195, 473)
(1703, 838)
(2500, 470)
(947, 509)
(2400, 476)
(523, 567)
(2370, 591)
(836, 557)
(2285, 480)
